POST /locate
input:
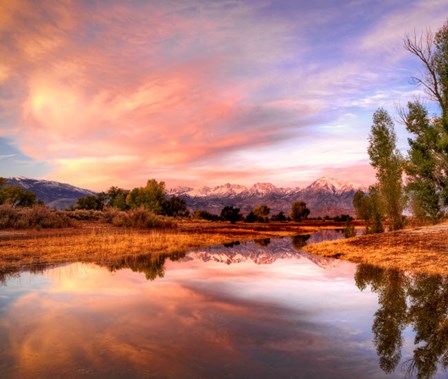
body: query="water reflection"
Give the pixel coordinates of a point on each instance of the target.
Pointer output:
(256, 309)
(419, 301)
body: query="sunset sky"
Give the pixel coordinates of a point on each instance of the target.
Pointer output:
(101, 93)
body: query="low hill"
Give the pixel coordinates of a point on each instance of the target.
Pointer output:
(54, 194)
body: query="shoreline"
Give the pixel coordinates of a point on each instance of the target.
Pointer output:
(418, 250)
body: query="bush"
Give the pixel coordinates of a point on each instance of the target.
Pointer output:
(205, 215)
(141, 218)
(85, 215)
(38, 216)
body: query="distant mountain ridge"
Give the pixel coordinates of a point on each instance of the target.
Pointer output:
(325, 196)
(53, 194)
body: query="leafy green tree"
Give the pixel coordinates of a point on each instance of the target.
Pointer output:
(299, 211)
(426, 174)
(17, 196)
(251, 217)
(92, 202)
(427, 167)
(152, 197)
(175, 207)
(388, 163)
(279, 217)
(205, 215)
(116, 197)
(262, 212)
(231, 214)
(368, 207)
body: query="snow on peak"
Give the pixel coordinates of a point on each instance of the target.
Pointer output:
(228, 190)
(263, 188)
(332, 185)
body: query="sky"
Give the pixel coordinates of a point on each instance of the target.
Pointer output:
(195, 92)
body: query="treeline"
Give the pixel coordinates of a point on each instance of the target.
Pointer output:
(260, 213)
(153, 198)
(424, 193)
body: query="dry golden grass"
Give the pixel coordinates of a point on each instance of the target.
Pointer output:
(101, 243)
(423, 250)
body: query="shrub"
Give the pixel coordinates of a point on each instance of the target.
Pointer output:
(38, 216)
(85, 215)
(141, 218)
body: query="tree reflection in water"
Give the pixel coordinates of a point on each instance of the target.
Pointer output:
(299, 241)
(420, 301)
(152, 265)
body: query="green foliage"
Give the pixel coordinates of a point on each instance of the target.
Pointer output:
(205, 215)
(368, 207)
(262, 212)
(427, 164)
(251, 217)
(343, 218)
(16, 196)
(388, 163)
(116, 198)
(92, 202)
(152, 197)
(279, 217)
(299, 211)
(175, 207)
(231, 214)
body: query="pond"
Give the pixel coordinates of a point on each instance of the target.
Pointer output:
(259, 309)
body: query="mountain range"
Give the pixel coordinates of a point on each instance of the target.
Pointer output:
(262, 252)
(325, 196)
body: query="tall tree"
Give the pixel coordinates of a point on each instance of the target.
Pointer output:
(368, 207)
(299, 211)
(428, 154)
(425, 167)
(388, 163)
(231, 214)
(262, 212)
(152, 197)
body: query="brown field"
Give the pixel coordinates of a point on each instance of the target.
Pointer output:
(103, 244)
(422, 250)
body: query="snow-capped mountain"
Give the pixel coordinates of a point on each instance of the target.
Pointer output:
(331, 185)
(54, 194)
(325, 196)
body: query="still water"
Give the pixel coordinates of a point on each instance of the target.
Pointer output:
(261, 309)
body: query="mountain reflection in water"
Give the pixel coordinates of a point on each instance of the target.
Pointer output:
(255, 309)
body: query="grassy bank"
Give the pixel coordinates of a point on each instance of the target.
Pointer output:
(423, 250)
(104, 244)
